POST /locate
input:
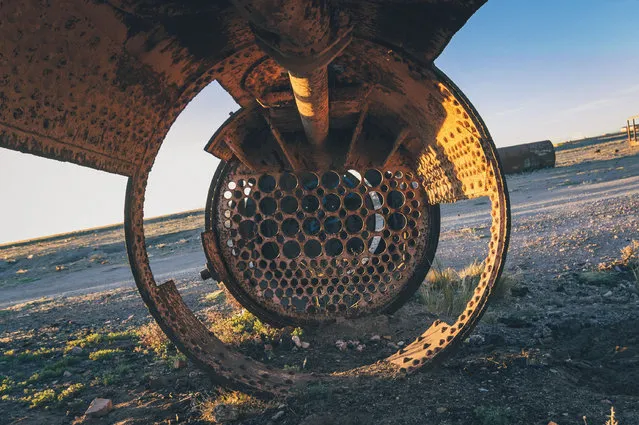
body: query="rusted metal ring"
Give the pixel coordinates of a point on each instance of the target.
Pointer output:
(233, 370)
(308, 249)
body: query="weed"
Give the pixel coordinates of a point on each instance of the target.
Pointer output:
(88, 340)
(215, 297)
(447, 291)
(95, 338)
(28, 355)
(54, 370)
(39, 398)
(630, 258)
(244, 404)
(630, 254)
(6, 385)
(240, 327)
(104, 354)
(70, 391)
(291, 368)
(492, 415)
(611, 419)
(152, 337)
(113, 377)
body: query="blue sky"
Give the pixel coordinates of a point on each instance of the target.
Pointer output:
(535, 70)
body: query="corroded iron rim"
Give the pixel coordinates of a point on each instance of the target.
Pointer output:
(233, 370)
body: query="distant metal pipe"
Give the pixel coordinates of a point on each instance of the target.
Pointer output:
(527, 157)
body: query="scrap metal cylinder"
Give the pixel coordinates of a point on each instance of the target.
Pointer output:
(527, 157)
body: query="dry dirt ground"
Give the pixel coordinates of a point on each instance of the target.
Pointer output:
(560, 343)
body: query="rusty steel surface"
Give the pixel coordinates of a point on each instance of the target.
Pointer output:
(631, 130)
(307, 247)
(527, 157)
(324, 87)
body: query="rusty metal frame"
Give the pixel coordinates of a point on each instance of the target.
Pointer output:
(224, 266)
(233, 370)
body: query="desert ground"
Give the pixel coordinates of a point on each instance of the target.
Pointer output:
(559, 343)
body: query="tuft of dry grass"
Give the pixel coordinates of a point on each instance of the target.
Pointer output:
(630, 258)
(244, 405)
(629, 261)
(447, 291)
(152, 337)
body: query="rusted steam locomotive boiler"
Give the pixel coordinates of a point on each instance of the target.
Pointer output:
(326, 201)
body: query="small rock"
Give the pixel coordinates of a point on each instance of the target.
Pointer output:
(66, 374)
(341, 345)
(277, 416)
(99, 407)
(128, 319)
(305, 344)
(483, 390)
(30, 257)
(225, 413)
(76, 350)
(401, 343)
(441, 410)
(360, 347)
(608, 294)
(476, 340)
(281, 406)
(375, 338)
(296, 340)
(179, 364)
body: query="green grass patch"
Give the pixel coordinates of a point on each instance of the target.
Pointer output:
(7, 385)
(28, 355)
(215, 297)
(105, 354)
(54, 370)
(70, 391)
(245, 405)
(39, 398)
(241, 327)
(96, 338)
(113, 377)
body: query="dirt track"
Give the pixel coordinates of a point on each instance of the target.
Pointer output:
(565, 347)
